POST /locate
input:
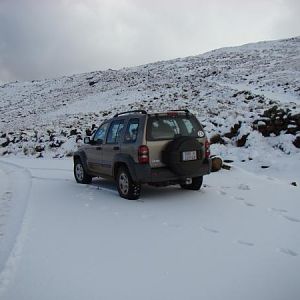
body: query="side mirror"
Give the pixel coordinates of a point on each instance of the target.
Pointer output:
(87, 140)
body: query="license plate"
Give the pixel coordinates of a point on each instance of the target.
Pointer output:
(189, 155)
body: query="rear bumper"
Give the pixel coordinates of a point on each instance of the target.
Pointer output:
(146, 174)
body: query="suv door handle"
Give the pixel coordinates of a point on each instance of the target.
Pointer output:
(98, 148)
(116, 148)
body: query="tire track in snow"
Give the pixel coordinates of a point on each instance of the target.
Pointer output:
(12, 239)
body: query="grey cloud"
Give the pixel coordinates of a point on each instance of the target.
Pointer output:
(47, 38)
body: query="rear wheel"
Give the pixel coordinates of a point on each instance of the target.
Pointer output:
(195, 185)
(127, 188)
(80, 174)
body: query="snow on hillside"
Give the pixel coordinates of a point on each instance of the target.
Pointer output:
(222, 87)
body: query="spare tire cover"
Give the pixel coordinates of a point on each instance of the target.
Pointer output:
(172, 156)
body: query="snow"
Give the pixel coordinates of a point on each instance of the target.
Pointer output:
(237, 238)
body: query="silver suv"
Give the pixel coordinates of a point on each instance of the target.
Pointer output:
(137, 147)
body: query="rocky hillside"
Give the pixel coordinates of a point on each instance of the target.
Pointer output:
(245, 96)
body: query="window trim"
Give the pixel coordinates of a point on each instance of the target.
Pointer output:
(120, 121)
(127, 127)
(95, 141)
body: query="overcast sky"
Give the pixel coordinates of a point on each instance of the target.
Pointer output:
(48, 38)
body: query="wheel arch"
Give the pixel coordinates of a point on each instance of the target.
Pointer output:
(126, 161)
(80, 155)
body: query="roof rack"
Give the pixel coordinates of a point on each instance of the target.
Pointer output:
(183, 110)
(131, 111)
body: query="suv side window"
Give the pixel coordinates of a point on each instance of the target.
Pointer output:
(115, 131)
(100, 133)
(132, 131)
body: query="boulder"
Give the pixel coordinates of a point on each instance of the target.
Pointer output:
(233, 130)
(296, 142)
(217, 139)
(242, 141)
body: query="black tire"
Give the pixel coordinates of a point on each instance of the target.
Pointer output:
(127, 188)
(195, 185)
(80, 174)
(171, 156)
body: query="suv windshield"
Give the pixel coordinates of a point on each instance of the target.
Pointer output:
(170, 127)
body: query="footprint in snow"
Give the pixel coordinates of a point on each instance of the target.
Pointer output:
(279, 210)
(287, 251)
(249, 204)
(239, 198)
(244, 243)
(146, 216)
(244, 187)
(174, 225)
(292, 219)
(222, 193)
(209, 229)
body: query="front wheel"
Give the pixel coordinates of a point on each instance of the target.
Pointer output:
(195, 185)
(127, 188)
(80, 174)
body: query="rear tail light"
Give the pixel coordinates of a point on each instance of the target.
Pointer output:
(207, 149)
(143, 154)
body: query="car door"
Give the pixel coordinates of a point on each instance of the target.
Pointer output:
(94, 150)
(112, 145)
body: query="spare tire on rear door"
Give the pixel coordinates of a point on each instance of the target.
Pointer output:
(184, 156)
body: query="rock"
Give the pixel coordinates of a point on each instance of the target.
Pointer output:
(88, 132)
(52, 137)
(216, 163)
(265, 167)
(226, 167)
(242, 141)
(296, 142)
(56, 144)
(39, 148)
(233, 130)
(5, 144)
(294, 183)
(269, 113)
(78, 138)
(217, 139)
(73, 132)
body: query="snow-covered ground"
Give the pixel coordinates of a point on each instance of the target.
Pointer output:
(238, 238)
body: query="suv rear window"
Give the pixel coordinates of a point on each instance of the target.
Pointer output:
(170, 127)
